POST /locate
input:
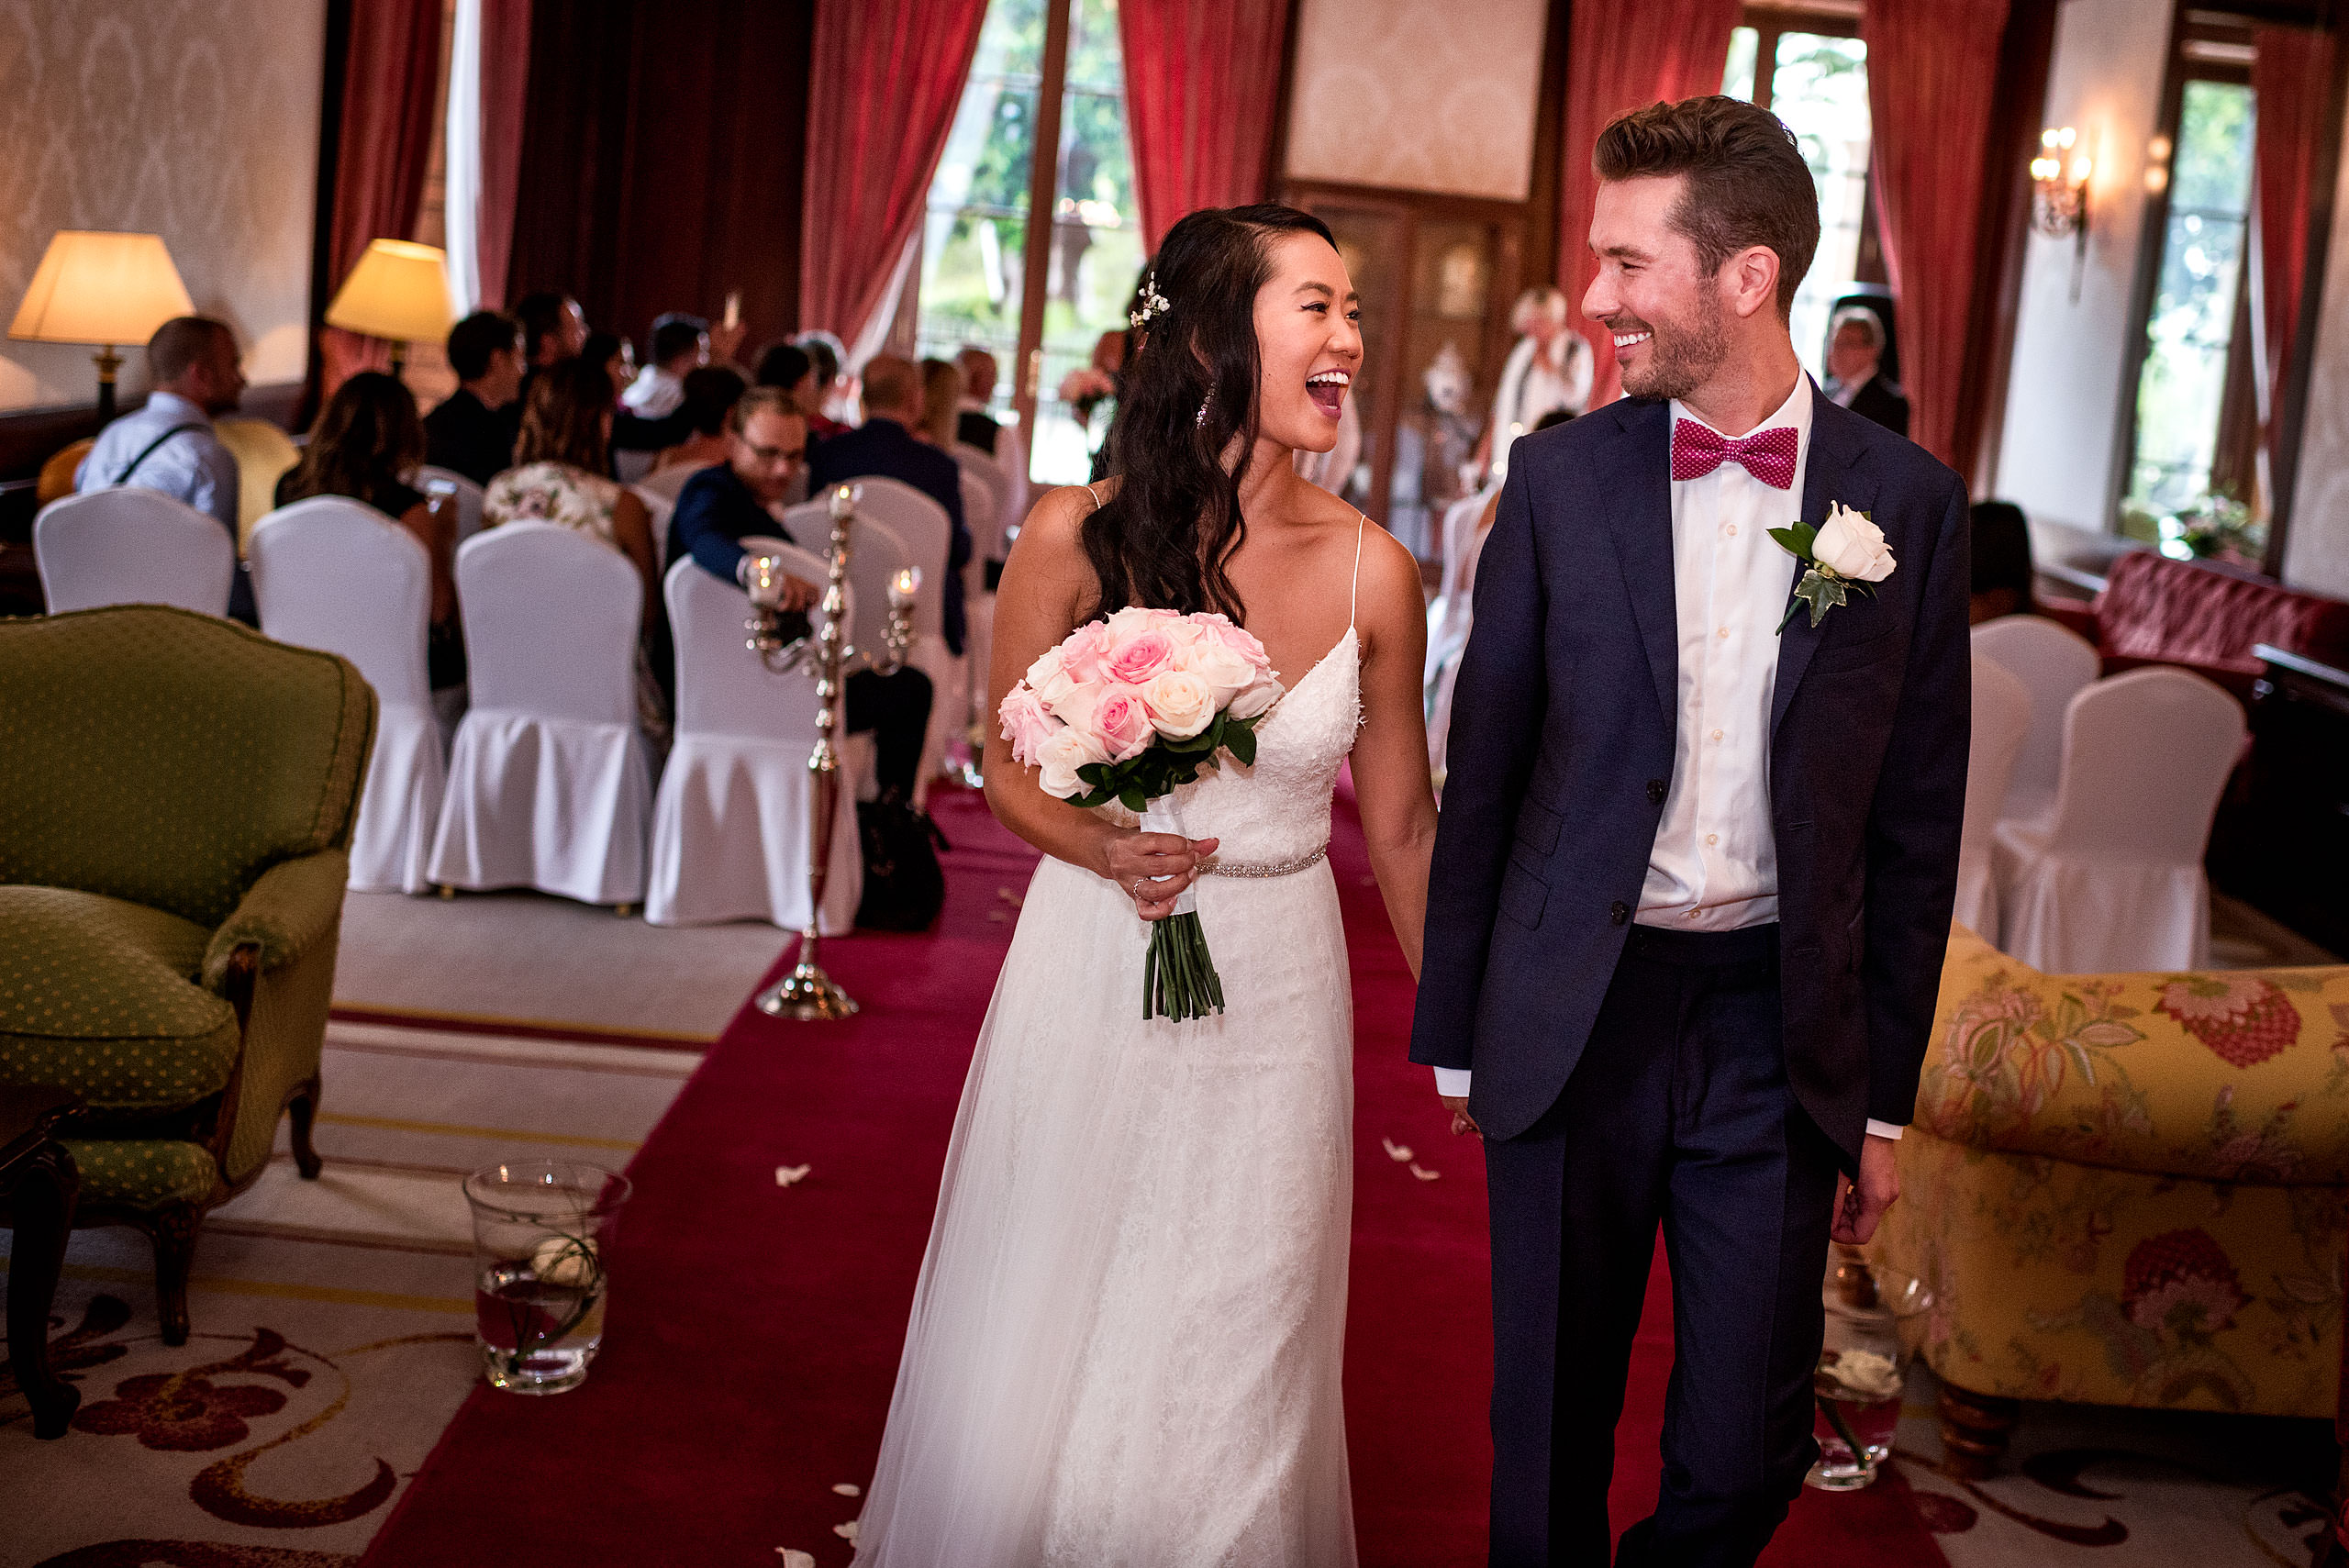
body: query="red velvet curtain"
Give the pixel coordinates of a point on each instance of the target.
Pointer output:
(504, 84)
(887, 77)
(389, 81)
(2291, 81)
(1203, 81)
(1931, 70)
(1622, 55)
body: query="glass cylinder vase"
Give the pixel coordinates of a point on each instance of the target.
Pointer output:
(540, 1231)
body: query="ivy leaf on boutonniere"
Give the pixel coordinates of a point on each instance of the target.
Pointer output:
(1842, 556)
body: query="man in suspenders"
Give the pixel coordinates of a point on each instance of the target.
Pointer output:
(168, 445)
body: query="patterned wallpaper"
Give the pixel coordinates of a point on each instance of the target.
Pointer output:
(195, 119)
(1418, 96)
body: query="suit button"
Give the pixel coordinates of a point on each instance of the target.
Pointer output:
(1655, 791)
(1618, 912)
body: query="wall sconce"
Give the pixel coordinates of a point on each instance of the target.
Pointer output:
(2157, 153)
(2059, 197)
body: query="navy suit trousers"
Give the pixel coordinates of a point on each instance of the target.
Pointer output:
(1678, 1115)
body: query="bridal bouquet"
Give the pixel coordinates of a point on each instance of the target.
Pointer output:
(1128, 709)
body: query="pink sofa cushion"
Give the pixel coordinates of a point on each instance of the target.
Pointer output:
(2154, 609)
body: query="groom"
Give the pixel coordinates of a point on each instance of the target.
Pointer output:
(1694, 877)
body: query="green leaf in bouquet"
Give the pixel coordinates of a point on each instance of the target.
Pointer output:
(1239, 739)
(1134, 801)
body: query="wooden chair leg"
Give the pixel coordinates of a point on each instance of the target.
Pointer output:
(43, 1202)
(172, 1230)
(1976, 1428)
(303, 1108)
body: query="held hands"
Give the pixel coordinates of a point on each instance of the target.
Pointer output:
(1860, 1205)
(1152, 869)
(1463, 1124)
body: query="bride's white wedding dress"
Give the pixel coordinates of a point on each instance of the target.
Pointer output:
(1125, 1345)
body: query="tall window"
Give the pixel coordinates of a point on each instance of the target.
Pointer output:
(1815, 78)
(1049, 298)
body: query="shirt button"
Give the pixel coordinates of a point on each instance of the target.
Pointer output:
(1717, 734)
(1733, 530)
(1618, 912)
(1656, 791)
(1694, 913)
(1712, 838)
(1722, 633)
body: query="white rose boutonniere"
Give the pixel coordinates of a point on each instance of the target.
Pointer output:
(1844, 555)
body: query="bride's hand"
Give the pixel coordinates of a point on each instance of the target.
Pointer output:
(1152, 869)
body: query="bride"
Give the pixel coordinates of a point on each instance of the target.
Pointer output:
(1126, 1343)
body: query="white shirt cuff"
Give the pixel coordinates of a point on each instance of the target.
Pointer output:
(1883, 1129)
(1452, 1083)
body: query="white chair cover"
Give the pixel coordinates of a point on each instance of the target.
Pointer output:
(548, 782)
(875, 552)
(733, 825)
(128, 545)
(2001, 720)
(977, 462)
(661, 507)
(978, 604)
(668, 484)
(336, 574)
(1448, 616)
(468, 493)
(929, 536)
(2113, 880)
(2053, 662)
(630, 466)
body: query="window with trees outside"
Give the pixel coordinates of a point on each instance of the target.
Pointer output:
(1047, 299)
(1812, 71)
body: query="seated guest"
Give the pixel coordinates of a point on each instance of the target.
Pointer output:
(941, 402)
(973, 425)
(2002, 568)
(168, 445)
(553, 328)
(885, 447)
(1855, 348)
(562, 471)
(680, 343)
(710, 395)
(835, 392)
(472, 432)
(366, 437)
(788, 366)
(767, 439)
(632, 432)
(616, 355)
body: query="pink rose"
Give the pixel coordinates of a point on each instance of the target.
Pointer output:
(1083, 652)
(1239, 639)
(1133, 620)
(1140, 657)
(1120, 722)
(1025, 723)
(1226, 671)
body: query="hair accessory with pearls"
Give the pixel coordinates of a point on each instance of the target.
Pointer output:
(1153, 303)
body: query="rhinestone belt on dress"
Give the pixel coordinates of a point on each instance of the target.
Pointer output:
(1285, 868)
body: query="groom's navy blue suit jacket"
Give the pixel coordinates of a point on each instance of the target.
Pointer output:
(1561, 751)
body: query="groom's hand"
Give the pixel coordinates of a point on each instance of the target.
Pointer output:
(1860, 1205)
(1463, 1123)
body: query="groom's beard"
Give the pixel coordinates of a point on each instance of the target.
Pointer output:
(1682, 355)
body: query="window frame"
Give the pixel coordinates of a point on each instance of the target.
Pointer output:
(1769, 24)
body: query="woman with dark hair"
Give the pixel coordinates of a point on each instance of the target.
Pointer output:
(562, 471)
(2002, 568)
(1128, 1334)
(367, 438)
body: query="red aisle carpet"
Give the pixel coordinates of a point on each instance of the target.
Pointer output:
(753, 1330)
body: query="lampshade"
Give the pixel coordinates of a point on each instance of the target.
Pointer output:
(95, 287)
(399, 290)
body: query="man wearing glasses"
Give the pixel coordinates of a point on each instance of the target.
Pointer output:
(766, 445)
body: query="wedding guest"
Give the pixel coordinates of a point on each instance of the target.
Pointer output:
(1854, 352)
(367, 437)
(942, 400)
(680, 343)
(767, 442)
(974, 424)
(792, 368)
(885, 447)
(835, 389)
(553, 328)
(169, 446)
(1549, 368)
(710, 396)
(617, 357)
(562, 466)
(472, 432)
(2002, 563)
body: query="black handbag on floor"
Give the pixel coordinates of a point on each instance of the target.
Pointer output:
(904, 886)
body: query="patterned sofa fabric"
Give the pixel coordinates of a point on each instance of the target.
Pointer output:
(2128, 1189)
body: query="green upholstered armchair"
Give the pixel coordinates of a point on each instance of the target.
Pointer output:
(176, 800)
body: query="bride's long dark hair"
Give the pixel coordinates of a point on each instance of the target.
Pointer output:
(1163, 542)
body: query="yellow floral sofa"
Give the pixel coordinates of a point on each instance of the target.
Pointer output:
(2128, 1189)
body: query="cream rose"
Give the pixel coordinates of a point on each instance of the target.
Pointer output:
(1062, 754)
(1851, 546)
(1255, 699)
(1025, 724)
(1226, 671)
(1180, 703)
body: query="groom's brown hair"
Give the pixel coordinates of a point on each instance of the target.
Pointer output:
(1747, 184)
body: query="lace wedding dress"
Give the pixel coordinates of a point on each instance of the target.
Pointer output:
(1126, 1343)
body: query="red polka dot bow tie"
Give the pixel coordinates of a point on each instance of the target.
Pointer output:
(1768, 455)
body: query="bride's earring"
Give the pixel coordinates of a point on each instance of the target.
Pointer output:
(1205, 404)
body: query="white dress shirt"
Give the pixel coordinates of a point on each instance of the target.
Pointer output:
(193, 466)
(1844, 391)
(1714, 865)
(655, 394)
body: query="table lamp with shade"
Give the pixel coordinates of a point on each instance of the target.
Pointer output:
(104, 289)
(398, 291)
